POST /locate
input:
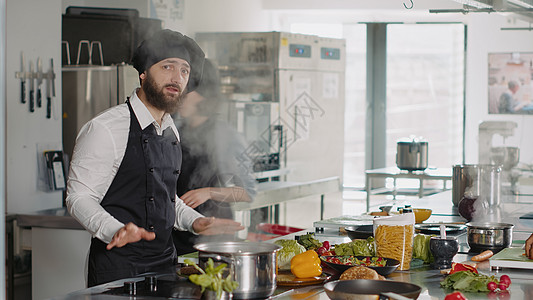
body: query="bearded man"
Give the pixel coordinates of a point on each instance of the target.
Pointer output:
(126, 163)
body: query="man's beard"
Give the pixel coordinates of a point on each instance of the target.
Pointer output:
(157, 97)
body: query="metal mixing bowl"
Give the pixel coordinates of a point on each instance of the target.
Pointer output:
(507, 157)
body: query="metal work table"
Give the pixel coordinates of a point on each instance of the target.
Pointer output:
(443, 174)
(425, 276)
(272, 193)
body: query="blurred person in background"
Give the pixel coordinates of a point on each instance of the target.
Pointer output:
(508, 102)
(216, 170)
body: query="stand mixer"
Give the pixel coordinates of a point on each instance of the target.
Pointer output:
(505, 156)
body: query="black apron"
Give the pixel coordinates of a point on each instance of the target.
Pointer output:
(143, 192)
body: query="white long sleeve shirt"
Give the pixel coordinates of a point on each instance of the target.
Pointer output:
(100, 148)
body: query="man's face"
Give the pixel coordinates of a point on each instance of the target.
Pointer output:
(164, 83)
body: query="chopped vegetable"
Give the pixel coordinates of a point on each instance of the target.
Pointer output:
(306, 264)
(211, 278)
(309, 241)
(289, 250)
(468, 281)
(456, 267)
(357, 247)
(421, 248)
(354, 261)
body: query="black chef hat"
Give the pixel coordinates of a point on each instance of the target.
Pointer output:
(209, 88)
(165, 44)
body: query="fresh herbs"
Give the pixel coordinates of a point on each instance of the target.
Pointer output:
(211, 278)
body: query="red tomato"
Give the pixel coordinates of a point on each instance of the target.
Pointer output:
(327, 253)
(455, 296)
(335, 260)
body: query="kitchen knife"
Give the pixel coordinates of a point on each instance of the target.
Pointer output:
(32, 96)
(53, 76)
(48, 99)
(39, 80)
(23, 80)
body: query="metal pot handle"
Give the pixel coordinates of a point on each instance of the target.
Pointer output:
(415, 146)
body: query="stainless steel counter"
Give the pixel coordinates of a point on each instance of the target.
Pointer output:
(269, 193)
(426, 277)
(273, 193)
(49, 218)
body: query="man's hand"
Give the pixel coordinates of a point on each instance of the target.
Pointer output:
(130, 233)
(194, 198)
(529, 247)
(212, 226)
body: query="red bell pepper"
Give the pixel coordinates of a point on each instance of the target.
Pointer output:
(456, 267)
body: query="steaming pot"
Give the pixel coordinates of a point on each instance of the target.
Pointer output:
(251, 264)
(475, 181)
(489, 236)
(412, 154)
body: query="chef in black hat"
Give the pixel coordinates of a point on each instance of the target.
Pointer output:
(125, 165)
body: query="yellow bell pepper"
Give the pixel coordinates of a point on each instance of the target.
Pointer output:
(306, 264)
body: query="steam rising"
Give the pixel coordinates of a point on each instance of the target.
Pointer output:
(485, 186)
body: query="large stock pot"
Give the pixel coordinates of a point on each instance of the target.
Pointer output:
(251, 264)
(412, 154)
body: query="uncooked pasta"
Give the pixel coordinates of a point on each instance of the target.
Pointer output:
(396, 242)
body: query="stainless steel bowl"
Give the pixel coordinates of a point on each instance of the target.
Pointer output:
(507, 157)
(489, 236)
(252, 265)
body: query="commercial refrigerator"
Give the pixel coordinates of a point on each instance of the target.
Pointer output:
(286, 95)
(89, 90)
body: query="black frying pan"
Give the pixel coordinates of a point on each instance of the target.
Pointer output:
(369, 289)
(360, 231)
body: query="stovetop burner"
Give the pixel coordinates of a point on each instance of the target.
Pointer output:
(166, 286)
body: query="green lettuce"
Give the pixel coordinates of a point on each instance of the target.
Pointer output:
(289, 249)
(421, 248)
(357, 247)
